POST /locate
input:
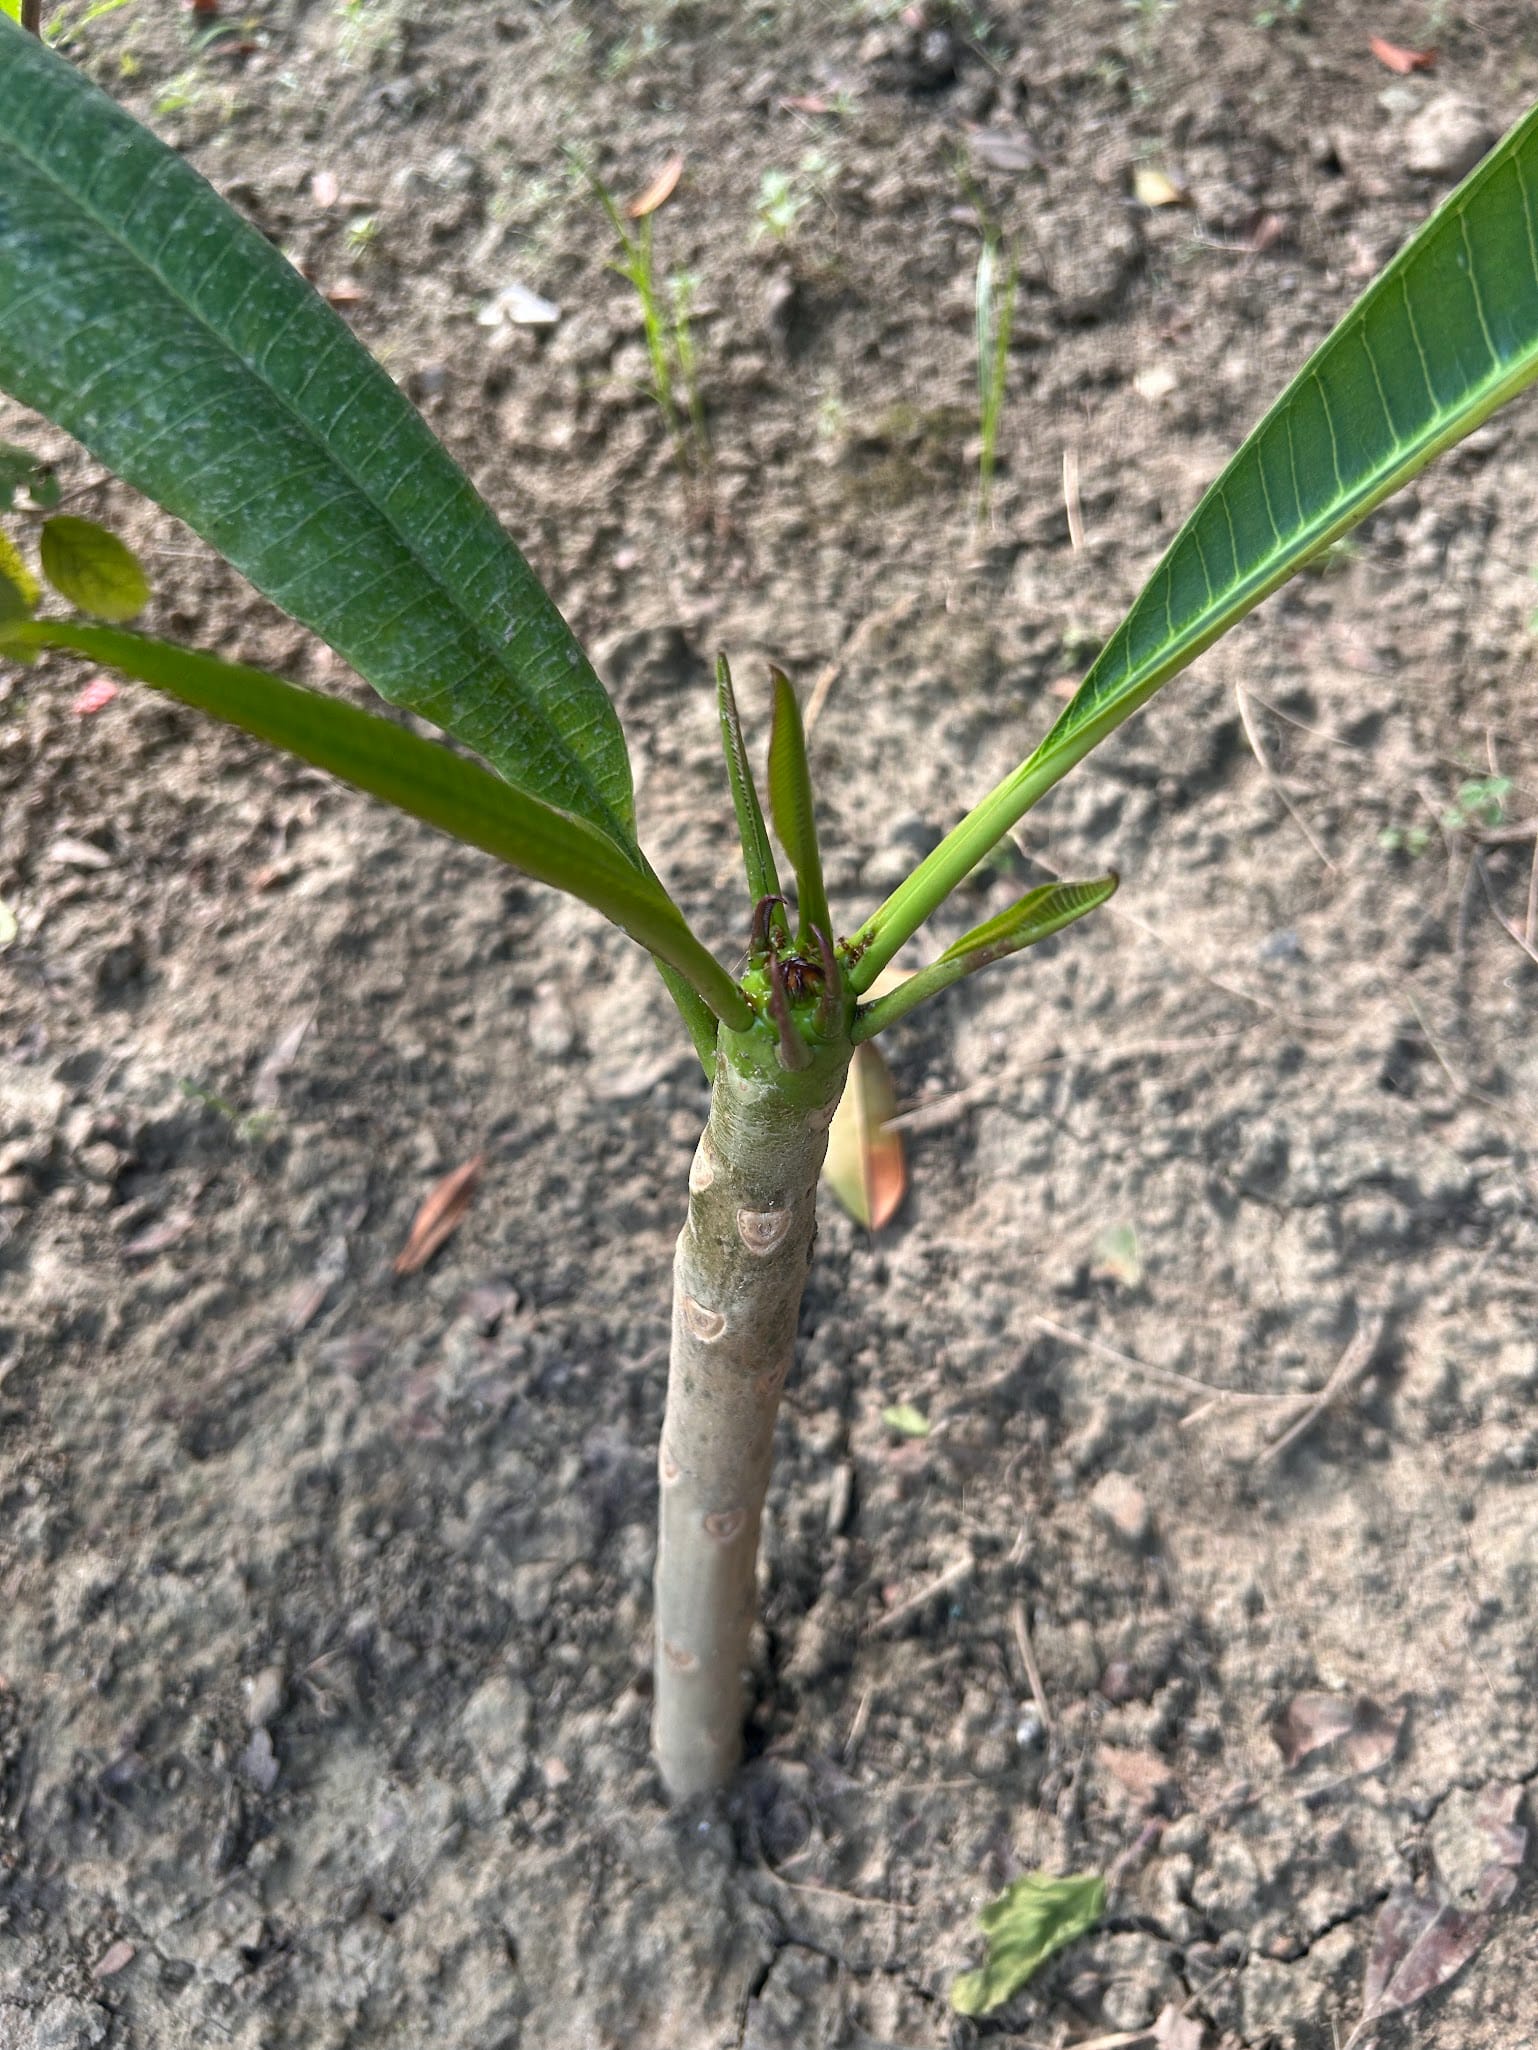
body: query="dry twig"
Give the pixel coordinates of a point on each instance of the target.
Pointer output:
(1353, 1363)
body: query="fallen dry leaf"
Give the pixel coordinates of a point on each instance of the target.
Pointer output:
(159, 1238)
(865, 1166)
(660, 190)
(101, 690)
(439, 1216)
(113, 1959)
(345, 293)
(1152, 187)
(1397, 58)
(1421, 1940)
(1367, 1734)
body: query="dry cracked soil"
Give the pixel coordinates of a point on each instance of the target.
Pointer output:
(324, 1631)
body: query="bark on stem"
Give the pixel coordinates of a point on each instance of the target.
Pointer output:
(738, 1277)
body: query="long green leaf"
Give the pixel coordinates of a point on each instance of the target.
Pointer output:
(142, 314)
(1446, 334)
(418, 776)
(790, 802)
(1035, 916)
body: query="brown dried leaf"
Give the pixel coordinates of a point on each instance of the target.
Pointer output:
(865, 1165)
(439, 1216)
(1420, 1941)
(660, 190)
(159, 1238)
(113, 1959)
(1398, 59)
(1367, 1733)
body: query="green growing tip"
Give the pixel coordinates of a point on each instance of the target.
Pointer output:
(790, 801)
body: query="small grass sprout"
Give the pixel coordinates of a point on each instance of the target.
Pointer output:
(669, 332)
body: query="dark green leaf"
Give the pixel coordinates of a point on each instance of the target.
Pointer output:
(140, 312)
(790, 801)
(1026, 1924)
(93, 569)
(421, 778)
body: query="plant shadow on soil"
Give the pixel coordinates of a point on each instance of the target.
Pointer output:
(323, 1658)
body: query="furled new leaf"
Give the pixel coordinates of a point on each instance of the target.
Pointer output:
(790, 801)
(757, 855)
(141, 313)
(1028, 1922)
(1446, 334)
(419, 777)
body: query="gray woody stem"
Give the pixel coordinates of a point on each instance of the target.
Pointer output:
(738, 1276)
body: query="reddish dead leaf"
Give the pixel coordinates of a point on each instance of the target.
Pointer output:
(325, 189)
(439, 1216)
(204, 9)
(113, 1959)
(1421, 1940)
(1366, 1733)
(159, 1238)
(1397, 58)
(865, 1166)
(660, 189)
(101, 690)
(345, 293)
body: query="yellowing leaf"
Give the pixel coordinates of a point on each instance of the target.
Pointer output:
(1151, 187)
(907, 1421)
(19, 591)
(865, 1166)
(93, 569)
(1117, 1257)
(1026, 1924)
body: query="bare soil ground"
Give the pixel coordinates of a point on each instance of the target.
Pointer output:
(324, 1634)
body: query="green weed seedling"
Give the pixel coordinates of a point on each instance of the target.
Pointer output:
(143, 316)
(669, 331)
